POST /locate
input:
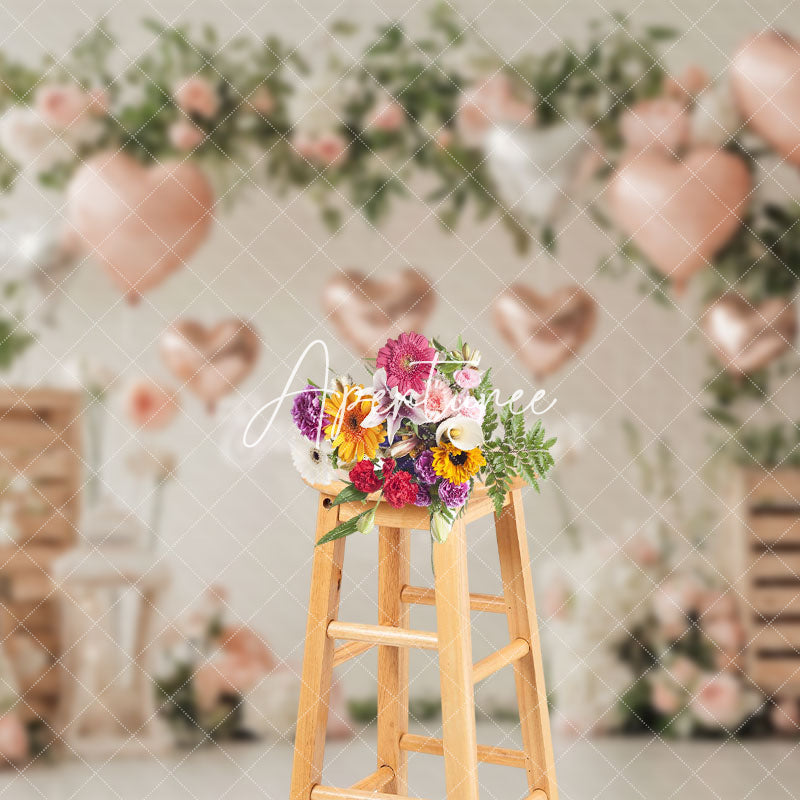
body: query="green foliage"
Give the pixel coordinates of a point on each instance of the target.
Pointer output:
(426, 74)
(596, 83)
(13, 342)
(516, 454)
(770, 446)
(177, 703)
(345, 528)
(349, 495)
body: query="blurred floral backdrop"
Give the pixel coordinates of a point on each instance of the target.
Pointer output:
(604, 203)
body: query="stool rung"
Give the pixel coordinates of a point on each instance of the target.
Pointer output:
(382, 634)
(477, 602)
(331, 793)
(413, 743)
(350, 650)
(512, 652)
(377, 781)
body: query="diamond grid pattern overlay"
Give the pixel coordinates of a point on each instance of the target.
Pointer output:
(287, 587)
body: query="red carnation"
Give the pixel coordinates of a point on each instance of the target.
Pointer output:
(387, 468)
(399, 490)
(364, 478)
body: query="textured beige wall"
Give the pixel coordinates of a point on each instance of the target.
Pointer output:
(250, 527)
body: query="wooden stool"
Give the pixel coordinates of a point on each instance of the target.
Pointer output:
(392, 635)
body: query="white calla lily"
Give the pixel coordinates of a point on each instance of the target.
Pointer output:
(462, 432)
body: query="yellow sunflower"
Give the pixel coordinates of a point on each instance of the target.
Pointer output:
(346, 410)
(456, 466)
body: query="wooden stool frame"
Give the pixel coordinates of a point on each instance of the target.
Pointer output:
(452, 639)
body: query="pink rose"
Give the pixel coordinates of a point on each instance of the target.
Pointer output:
(556, 598)
(470, 407)
(13, 738)
(262, 100)
(643, 548)
(97, 102)
(324, 150)
(228, 674)
(718, 701)
(673, 601)
(785, 716)
(727, 634)
(683, 671)
(467, 378)
(665, 697)
(61, 106)
(388, 117)
(492, 102)
(330, 149)
(444, 138)
(717, 605)
(305, 146)
(245, 644)
(196, 95)
(690, 84)
(150, 405)
(663, 123)
(184, 135)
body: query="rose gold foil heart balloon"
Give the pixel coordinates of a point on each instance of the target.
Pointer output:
(141, 222)
(545, 331)
(680, 213)
(748, 337)
(368, 311)
(211, 361)
(765, 77)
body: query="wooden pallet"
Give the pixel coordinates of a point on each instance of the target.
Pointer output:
(39, 441)
(769, 566)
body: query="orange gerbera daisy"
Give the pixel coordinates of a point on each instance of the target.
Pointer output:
(347, 410)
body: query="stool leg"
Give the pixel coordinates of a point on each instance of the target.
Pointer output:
(393, 574)
(512, 545)
(455, 666)
(323, 606)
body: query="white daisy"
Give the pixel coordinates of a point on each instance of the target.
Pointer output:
(313, 463)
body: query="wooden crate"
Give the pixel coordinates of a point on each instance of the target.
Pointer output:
(769, 576)
(39, 441)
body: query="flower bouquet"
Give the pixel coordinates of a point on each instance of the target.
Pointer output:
(421, 435)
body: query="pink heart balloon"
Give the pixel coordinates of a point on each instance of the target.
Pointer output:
(211, 361)
(545, 331)
(680, 213)
(748, 337)
(367, 311)
(141, 222)
(765, 77)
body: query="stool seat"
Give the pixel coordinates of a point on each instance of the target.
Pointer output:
(412, 517)
(394, 637)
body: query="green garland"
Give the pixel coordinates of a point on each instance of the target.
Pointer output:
(591, 85)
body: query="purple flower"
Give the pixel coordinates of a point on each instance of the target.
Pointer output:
(454, 495)
(423, 497)
(423, 466)
(306, 412)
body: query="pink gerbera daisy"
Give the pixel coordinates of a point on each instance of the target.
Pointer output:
(408, 361)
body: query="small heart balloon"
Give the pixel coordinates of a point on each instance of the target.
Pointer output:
(765, 77)
(367, 311)
(532, 167)
(211, 361)
(680, 213)
(748, 337)
(545, 331)
(142, 222)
